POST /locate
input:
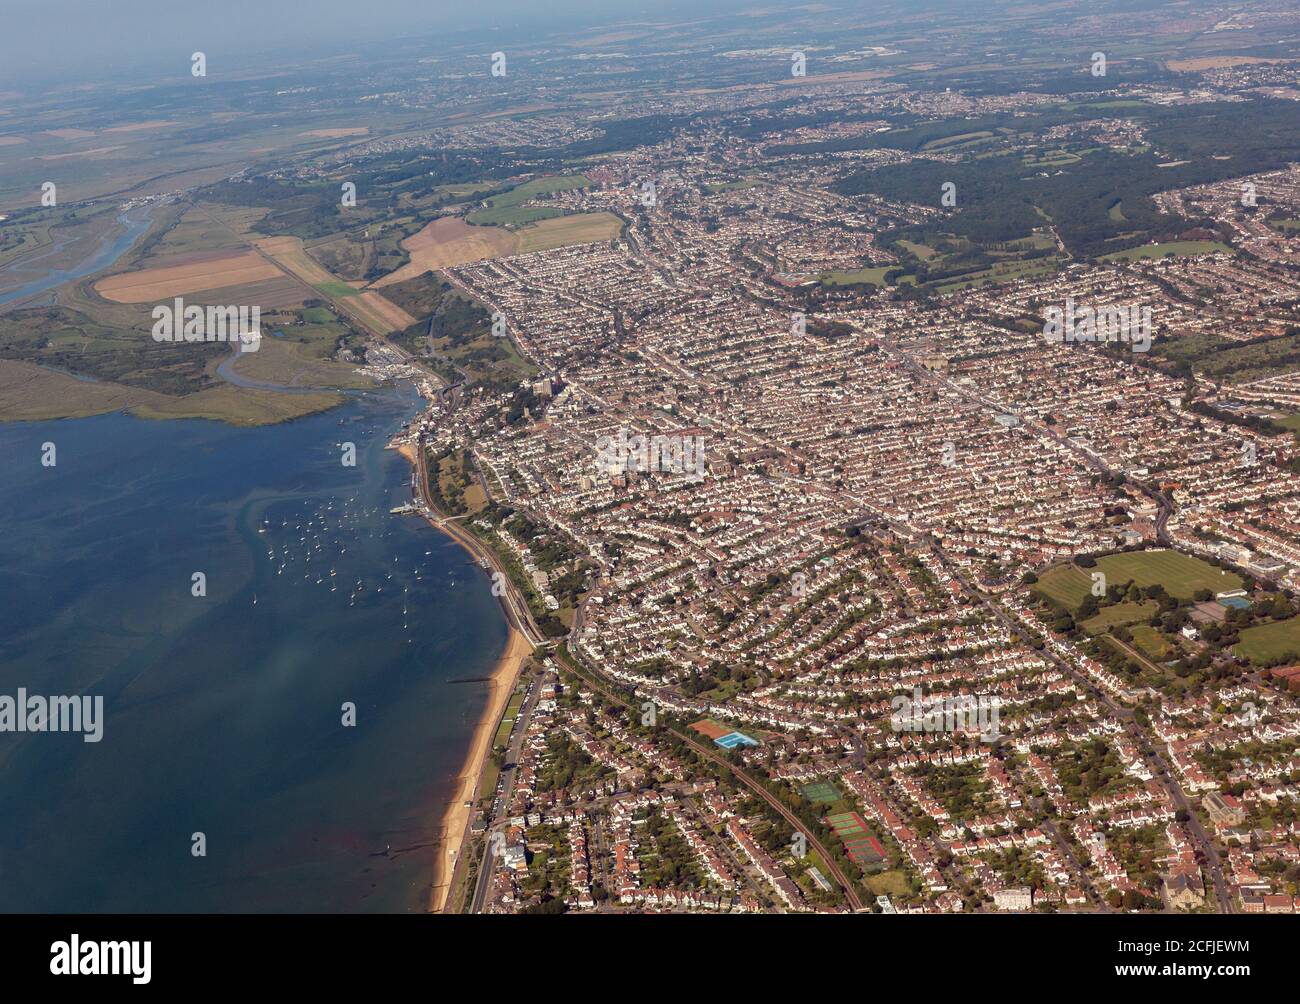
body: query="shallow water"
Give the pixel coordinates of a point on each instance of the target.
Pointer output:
(223, 712)
(113, 245)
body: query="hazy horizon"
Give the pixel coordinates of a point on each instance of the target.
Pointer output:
(77, 41)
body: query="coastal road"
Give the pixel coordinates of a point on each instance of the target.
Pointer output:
(515, 606)
(520, 619)
(505, 783)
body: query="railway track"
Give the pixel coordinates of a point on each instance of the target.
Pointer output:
(599, 685)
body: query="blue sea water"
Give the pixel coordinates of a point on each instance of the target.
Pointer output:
(223, 713)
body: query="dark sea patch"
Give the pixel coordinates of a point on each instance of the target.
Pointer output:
(223, 713)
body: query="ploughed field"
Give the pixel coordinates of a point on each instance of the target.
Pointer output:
(189, 274)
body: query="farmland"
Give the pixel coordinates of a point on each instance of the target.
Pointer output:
(189, 275)
(564, 231)
(369, 309)
(446, 241)
(450, 241)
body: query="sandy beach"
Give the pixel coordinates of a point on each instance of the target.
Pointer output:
(455, 820)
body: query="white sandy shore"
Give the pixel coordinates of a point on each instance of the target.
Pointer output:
(455, 820)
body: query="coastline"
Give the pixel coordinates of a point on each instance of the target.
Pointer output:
(455, 820)
(30, 392)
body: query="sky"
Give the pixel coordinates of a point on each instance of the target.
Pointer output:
(79, 40)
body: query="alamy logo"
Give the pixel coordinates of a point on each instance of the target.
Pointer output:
(669, 454)
(176, 322)
(1110, 323)
(75, 957)
(60, 713)
(960, 713)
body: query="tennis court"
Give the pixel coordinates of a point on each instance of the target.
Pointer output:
(861, 847)
(821, 792)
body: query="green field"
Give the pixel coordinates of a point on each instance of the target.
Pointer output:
(891, 883)
(488, 780)
(1287, 420)
(508, 720)
(508, 209)
(1180, 574)
(1003, 271)
(464, 191)
(1152, 643)
(511, 216)
(733, 186)
(821, 793)
(1267, 643)
(874, 276)
(335, 290)
(961, 139)
(922, 251)
(1051, 158)
(1120, 613)
(1172, 248)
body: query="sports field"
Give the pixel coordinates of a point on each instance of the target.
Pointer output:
(1267, 643)
(1180, 574)
(874, 275)
(733, 739)
(862, 847)
(821, 792)
(710, 729)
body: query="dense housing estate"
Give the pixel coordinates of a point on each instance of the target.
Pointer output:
(898, 495)
(883, 441)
